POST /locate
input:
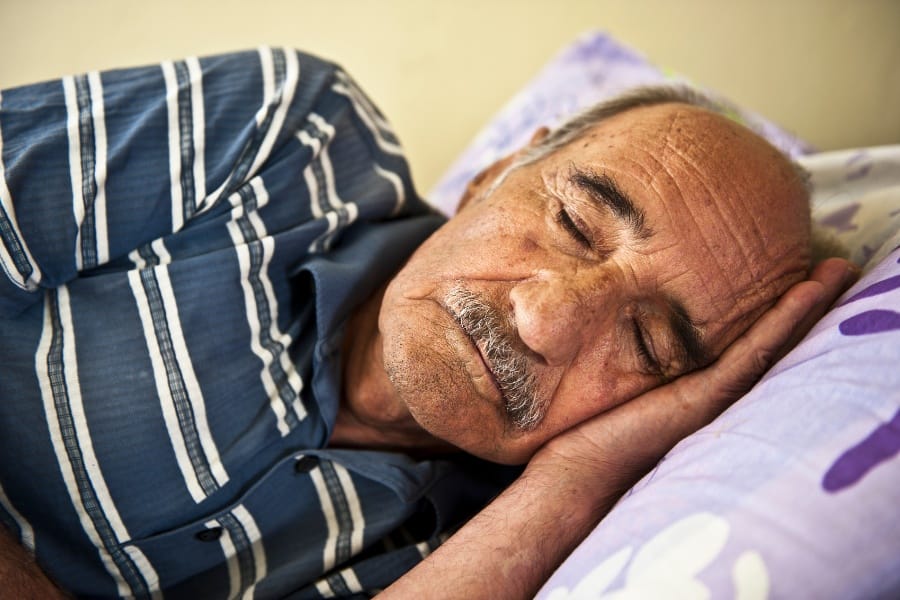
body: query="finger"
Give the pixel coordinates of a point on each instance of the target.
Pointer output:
(836, 275)
(753, 353)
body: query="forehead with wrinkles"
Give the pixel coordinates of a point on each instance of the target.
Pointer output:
(729, 212)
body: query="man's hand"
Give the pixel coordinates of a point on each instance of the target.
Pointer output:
(511, 547)
(624, 443)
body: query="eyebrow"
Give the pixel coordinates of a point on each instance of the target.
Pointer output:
(687, 336)
(602, 189)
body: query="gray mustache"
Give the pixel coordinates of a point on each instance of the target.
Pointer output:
(511, 370)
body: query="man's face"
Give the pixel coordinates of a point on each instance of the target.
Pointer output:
(620, 261)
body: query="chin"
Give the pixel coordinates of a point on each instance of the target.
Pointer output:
(452, 421)
(433, 384)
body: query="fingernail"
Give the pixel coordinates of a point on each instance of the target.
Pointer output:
(853, 273)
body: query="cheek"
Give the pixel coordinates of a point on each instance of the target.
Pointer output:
(429, 377)
(596, 386)
(448, 254)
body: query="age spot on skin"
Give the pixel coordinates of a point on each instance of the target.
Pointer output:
(528, 245)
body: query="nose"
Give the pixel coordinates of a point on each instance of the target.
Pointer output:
(554, 315)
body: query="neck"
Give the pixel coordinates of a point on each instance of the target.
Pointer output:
(370, 414)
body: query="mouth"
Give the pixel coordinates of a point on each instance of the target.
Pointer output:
(488, 368)
(499, 372)
(483, 371)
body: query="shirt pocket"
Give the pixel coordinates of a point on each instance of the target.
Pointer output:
(278, 523)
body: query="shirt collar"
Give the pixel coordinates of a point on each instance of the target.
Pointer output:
(368, 255)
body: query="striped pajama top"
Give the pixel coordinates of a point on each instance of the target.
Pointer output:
(181, 245)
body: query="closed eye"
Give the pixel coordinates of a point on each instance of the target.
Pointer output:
(567, 223)
(650, 362)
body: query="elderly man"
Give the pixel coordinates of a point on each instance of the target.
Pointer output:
(240, 357)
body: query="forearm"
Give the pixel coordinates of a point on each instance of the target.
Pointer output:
(20, 577)
(511, 547)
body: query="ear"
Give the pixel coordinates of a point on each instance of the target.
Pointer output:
(479, 184)
(538, 136)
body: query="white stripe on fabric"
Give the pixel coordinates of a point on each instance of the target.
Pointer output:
(80, 433)
(198, 405)
(368, 115)
(356, 515)
(308, 174)
(395, 181)
(333, 220)
(162, 254)
(97, 113)
(352, 212)
(279, 98)
(73, 387)
(267, 69)
(328, 170)
(198, 119)
(325, 160)
(135, 257)
(256, 546)
(329, 550)
(174, 136)
(343, 214)
(231, 561)
(81, 106)
(143, 564)
(251, 309)
(424, 549)
(352, 581)
(13, 271)
(26, 532)
(74, 133)
(157, 251)
(283, 339)
(284, 98)
(364, 101)
(278, 341)
(324, 588)
(161, 378)
(323, 242)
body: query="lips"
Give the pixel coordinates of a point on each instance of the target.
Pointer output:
(484, 359)
(478, 350)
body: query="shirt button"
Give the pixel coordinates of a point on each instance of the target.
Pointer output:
(209, 535)
(305, 464)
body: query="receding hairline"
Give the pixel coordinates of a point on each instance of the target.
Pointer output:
(645, 96)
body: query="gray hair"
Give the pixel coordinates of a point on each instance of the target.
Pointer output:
(582, 122)
(578, 125)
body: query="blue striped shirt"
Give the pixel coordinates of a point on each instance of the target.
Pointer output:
(181, 246)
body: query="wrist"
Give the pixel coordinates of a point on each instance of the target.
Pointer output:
(595, 475)
(582, 490)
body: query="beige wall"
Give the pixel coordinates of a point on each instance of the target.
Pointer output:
(827, 69)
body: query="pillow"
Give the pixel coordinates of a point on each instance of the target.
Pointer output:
(592, 68)
(793, 491)
(854, 196)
